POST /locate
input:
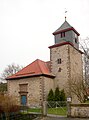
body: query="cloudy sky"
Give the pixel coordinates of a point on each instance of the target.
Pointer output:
(26, 27)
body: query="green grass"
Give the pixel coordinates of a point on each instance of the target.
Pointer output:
(87, 101)
(38, 110)
(55, 111)
(58, 111)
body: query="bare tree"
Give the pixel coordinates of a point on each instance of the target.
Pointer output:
(78, 85)
(78, 88)
(10, 70)
(86, 67)
(84, 45)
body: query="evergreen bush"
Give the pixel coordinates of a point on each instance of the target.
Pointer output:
(50, 96)
(57, 94)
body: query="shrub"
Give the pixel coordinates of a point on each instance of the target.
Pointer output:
(50, 96)
(8, 105)
(62, 95)
(57, 94)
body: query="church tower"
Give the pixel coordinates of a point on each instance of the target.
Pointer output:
(65, 57)
(66, 33)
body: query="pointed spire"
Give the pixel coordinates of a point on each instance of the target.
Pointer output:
(65, 27)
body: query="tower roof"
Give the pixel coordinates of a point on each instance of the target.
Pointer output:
(65, 27)
(36, 68)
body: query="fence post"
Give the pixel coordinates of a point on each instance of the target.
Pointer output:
(68, 107)
(44, 108)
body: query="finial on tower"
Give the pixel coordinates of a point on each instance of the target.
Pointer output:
(65, 18)
(65, 13)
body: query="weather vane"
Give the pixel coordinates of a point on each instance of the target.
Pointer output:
(65, 13)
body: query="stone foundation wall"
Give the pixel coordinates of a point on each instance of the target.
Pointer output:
(80, 110)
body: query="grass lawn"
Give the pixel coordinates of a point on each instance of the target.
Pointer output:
(37, 110)
(58, 111)
(55, 111)
(87, 101)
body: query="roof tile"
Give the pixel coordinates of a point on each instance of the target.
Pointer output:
(38, 67)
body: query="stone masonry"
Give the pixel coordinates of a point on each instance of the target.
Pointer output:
(37, 89)
(71, 66)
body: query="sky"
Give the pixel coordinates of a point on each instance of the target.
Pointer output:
(26, 27)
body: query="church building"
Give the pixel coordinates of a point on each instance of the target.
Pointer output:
(32, 84)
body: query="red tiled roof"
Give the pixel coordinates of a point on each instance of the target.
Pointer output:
(36, 68)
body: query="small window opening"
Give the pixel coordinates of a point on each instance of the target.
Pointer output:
(62, 34)
(59, 70)
(76, 40)
(59, 61)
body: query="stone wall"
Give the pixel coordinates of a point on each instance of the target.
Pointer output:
(76, 64)
(56, 53)
(76, 72)
(80, 110)
(37, 89)
(71, 68)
